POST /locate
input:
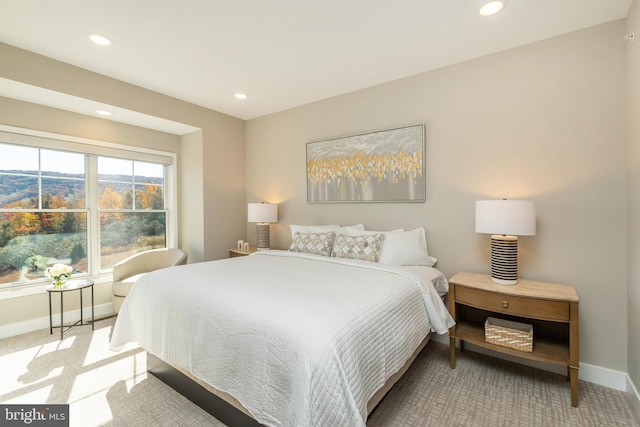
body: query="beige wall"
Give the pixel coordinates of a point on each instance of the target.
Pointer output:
(223, 154)
(544, 122)
(211, 185)
(31, 116)
(191, 209)
(633, 113)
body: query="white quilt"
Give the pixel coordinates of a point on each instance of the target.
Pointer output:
(298, 339)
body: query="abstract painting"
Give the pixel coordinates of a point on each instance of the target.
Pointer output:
(381, 166)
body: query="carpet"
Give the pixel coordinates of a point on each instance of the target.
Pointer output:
(105, 388)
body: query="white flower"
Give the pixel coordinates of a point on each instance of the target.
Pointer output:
(58, 271)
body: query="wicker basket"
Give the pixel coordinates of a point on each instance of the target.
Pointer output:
(506, 333)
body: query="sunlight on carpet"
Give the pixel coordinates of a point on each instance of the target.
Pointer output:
(113, 389)
(79, 370)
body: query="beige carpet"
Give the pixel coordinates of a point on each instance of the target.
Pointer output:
(113, 389)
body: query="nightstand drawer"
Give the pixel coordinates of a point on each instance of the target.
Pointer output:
(513, 305)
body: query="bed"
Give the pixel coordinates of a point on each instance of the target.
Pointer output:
(289, 338)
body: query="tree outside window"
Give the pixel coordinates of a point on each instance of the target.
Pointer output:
(45, 217)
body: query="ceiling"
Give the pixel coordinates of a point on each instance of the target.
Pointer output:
(281, 53)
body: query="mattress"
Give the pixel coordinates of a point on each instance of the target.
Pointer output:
(296, 339)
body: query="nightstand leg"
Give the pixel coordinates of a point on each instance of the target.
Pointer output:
(452, 352)
(573, 379)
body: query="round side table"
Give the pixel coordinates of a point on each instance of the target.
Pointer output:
(70, 285)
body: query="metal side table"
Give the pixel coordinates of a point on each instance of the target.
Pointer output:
(71, 285)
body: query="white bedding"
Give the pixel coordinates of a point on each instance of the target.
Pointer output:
(298, 339)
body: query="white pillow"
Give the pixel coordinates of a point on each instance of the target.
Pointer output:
(323, 228)
(403, 247)
(352, 231)
(312, 228)
(346, 229)
(406, 248)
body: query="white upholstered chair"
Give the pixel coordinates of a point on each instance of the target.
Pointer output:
(128, 271)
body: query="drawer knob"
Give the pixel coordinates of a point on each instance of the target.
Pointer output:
(505, 304)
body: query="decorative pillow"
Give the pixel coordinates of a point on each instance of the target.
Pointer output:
(313, 243)
(364, 247)
(406, 248)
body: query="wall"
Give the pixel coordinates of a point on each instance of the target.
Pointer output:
(223, 194)
(211, 176)
(191, 209)
(544, 122)
(633, 112)
(32, 116)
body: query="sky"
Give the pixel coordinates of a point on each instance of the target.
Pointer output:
(13, 157)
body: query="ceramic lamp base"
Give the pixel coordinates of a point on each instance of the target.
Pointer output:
(504, 259)
(263, 236)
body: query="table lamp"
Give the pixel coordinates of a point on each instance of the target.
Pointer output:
(505, 220)
(262, 214)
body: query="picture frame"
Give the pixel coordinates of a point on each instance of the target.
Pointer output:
(381, 166)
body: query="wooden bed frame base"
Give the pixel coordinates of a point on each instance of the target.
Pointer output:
(224, 410)
(199, 395)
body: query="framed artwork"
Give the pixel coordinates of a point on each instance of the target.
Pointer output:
(382, 166)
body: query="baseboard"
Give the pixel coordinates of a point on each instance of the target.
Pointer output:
(590, 373)
(32, 325)
(633, 397)
(603, 376)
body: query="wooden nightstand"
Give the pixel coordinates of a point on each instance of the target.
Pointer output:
(552, 309)
(236, 252)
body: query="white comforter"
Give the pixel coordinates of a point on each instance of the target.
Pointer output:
(299, 340)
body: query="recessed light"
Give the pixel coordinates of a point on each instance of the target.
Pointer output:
(103, 112)
(491, 7)
(99, 40)
(241, 96)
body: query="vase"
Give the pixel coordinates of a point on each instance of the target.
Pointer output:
(59, 283)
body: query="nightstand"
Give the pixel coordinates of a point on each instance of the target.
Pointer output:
(552, 309)
(237, 252)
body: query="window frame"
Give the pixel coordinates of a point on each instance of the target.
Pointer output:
(92, 149)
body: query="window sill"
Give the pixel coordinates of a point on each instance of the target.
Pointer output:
(35, 289)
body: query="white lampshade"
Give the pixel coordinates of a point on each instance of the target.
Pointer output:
(509, 217)
(262, 212)
(504, 220)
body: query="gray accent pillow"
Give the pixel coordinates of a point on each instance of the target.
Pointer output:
(364, 247)
(313, 243)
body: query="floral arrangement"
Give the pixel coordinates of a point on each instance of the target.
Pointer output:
(59, 273)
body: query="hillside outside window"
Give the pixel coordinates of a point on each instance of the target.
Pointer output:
(79, 209)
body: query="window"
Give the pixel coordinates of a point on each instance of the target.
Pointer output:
(78, 208)
(131, 207)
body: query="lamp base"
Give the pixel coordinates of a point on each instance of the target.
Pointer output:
(263, 236)
(504, 259)
(503, 282)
